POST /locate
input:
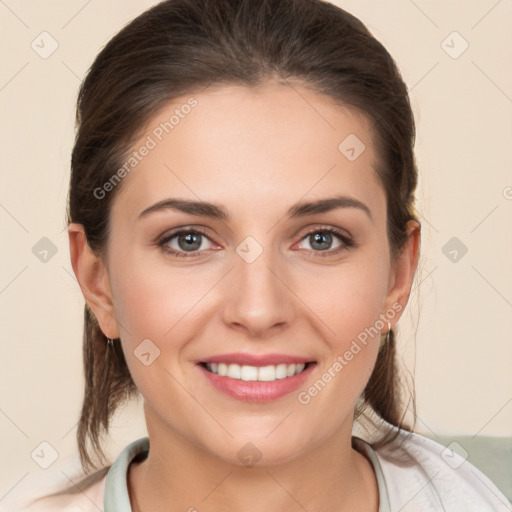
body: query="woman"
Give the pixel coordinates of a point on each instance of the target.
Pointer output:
(242, 226)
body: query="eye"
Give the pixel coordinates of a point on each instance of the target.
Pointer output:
(183, 241)
(321, 239)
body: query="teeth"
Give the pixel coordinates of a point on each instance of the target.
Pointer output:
(259, 373)
(234, 371)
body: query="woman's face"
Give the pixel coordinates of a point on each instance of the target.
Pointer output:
(265, 285)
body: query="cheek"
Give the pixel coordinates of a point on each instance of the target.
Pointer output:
(151, 299)
(163, 305)
(153, 310)
(349, 299)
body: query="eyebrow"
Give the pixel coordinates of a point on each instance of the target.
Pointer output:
(216, 211)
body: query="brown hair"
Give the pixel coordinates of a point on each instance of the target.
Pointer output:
(180, 46)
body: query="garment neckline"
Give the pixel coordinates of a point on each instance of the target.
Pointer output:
(117, 499)
(367, 450)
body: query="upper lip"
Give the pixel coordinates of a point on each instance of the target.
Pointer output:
(256, 359)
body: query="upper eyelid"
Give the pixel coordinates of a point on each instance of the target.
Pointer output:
(178, 231)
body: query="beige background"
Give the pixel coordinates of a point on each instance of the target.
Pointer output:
(459, 345)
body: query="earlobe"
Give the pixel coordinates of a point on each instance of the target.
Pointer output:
(403, 272)
(92, 276)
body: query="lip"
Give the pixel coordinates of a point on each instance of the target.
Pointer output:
(256, 359)
(257, 391)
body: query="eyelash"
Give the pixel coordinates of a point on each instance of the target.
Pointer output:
(347, 242)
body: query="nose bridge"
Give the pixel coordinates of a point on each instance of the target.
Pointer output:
(258, 299)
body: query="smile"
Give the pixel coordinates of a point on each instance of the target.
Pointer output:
(260, 381)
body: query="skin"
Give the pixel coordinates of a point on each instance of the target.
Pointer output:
(256, 152)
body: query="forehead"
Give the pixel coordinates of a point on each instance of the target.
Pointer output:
(240, 146)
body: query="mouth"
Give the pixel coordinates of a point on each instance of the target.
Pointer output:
(260, 381)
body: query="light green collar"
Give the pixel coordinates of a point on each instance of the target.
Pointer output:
(117, 498)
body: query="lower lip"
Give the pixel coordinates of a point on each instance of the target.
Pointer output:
(256, 391)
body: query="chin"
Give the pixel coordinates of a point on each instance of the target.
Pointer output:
(247, 451)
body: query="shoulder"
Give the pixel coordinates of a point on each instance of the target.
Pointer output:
(69, 490)
(77, 495)
(423, 475)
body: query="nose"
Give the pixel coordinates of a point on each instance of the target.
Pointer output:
(258, 300)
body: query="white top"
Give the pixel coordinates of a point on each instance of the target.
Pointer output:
(420, 476)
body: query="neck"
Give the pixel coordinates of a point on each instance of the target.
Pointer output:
(178, 476)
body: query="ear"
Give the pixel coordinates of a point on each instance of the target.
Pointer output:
(402, 274)
(92, 276)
